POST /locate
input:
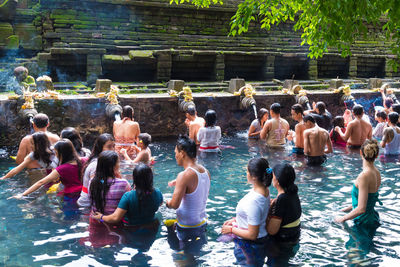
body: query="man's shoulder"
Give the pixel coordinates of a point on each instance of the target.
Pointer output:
(26, 139)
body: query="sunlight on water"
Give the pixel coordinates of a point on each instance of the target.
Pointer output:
(41, 231)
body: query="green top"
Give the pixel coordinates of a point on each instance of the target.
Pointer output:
(370, 217)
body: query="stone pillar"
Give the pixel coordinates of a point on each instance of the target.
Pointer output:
(270, 67)
(312, 69)
(219, 67)
(388, 69)
(93, 68)
(43, 62)
(164, 65)
(353, 67)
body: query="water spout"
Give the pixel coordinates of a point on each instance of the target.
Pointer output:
(255, 110)
(117, 116)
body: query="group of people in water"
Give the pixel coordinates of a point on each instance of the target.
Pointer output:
(92, 179)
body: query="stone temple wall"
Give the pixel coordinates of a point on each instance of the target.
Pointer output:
(157, 115)
(127, 40)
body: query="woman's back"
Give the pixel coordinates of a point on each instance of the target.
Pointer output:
(140, 211)
(117, 189)
(126, 130)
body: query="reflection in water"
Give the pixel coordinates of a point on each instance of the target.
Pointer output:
(34, 231)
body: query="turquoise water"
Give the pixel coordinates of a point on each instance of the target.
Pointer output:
(39, 232)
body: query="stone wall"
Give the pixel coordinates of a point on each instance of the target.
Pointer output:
(158, 114)
(153, 40)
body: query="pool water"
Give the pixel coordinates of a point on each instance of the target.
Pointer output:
(41, 231)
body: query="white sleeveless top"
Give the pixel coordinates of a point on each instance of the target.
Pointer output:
(393, 148)
(192, 211)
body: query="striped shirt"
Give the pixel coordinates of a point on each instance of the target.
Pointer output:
(117, 190)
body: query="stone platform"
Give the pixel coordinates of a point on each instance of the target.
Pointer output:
(157, 114)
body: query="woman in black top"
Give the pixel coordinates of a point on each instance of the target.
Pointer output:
(283, 223)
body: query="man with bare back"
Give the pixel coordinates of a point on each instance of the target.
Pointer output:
(126, 133)
(194, 123)
(315, 141)
(357, 131)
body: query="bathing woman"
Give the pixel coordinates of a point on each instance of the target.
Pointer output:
(365, 194)
(41, 155)
(126, 133)
(68, 171)
(257, 124)
(249, 225)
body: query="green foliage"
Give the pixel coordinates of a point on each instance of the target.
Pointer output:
(323, 23)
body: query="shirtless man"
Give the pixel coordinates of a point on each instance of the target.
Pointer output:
(297, 135)
(315, 141)
(192, 186)
(126, 133)
(357, 131)
(276, 129)
(391, 136)
(40, 124)
(194, 123)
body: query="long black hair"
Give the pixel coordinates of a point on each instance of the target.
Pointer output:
(100, 185)
(259, 168)
(337, 121)
(285, 174)
(73, 135)
(66, 153)
(98, 147)
(41, 147)
(143, 181)
(210, 117)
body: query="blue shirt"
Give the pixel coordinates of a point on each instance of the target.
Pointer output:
(143, 213)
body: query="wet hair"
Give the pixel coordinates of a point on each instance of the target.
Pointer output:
(321, 107)
(66, 153)
(298, 109)
(259, 168)
(73, 135)
(41, 147)
(143, 181)
(388, 102)
(393, 117)
(370, 150)
(261, 113)
(191, 110)
(396, 108)
(100, 185)
(184, 143)
(101, 140)
(127, 112)
(308, 118)
(146, 139)
(337, 121)
(286, 175)
(41, 120)
(210, 117)
(276, 108)
(358, 110)
(382, 115)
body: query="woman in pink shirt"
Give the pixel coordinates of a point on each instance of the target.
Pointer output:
(68, 171)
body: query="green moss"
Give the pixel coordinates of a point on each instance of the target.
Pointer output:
(141, 54)
(12, 42)
(113, 58)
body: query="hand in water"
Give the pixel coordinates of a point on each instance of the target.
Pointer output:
(339, 219)
(19, 196)
(2, 178)
(172, 183)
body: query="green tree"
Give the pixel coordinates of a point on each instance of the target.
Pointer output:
(323, 23)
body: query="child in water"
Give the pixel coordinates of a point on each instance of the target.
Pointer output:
(143, 150)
